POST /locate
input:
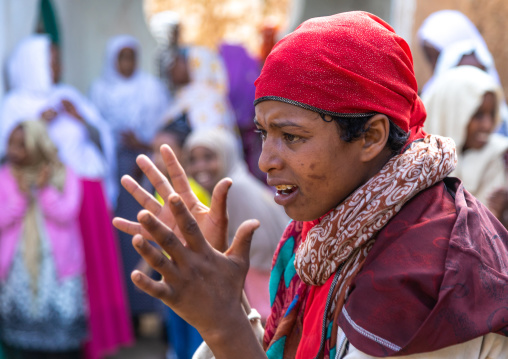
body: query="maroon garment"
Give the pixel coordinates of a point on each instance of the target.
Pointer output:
(436, 276)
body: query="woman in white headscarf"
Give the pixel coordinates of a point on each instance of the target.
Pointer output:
(213, 155)
(130, 100)
(84, 145)
(444, 28)
(464, 104)
(200, 79)
(132, 103)
(73, 122)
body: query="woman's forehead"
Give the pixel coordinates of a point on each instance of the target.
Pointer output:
(281, 114)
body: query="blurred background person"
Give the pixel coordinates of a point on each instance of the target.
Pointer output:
(43, 310)
(130, 100)
(464, 104)
(449, 39)
(443, 29)
(165, 28)
(132, 103)
(242, 70)
(212, 155)
(84, 145)
(200, 82)
(73, 122)
(174, 135)
(232, 58)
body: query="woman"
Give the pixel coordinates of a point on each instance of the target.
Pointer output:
(464, 104)
(385, 256)
(445, 28)
(74, 124)
(200, 80)
(211, 156)
(129, 100)
(132, 103)
(84, 145)
(42, 300)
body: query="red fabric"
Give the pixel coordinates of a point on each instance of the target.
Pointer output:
(109, 322)
(313, 321)
(347, 63)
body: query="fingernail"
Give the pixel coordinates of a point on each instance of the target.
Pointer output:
(175, 200)
(136, 276)
(146, 218)
(138, 241)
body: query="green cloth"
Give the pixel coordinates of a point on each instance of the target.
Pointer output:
(48, 22)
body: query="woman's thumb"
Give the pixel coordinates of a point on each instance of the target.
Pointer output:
(240, 247)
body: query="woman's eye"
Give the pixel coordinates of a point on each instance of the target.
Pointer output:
(291, 138)
(262, 133)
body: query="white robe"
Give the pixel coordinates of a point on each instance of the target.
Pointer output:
(32, 92)
(136, 103)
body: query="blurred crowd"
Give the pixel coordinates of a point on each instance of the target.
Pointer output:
(65, 289)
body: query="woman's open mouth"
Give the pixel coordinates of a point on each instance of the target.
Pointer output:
(285, 194)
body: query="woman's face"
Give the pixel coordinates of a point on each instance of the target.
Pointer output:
(204, 166)
(179, 71)
(16, 149)
(312, 169)
(126, 62)
(482, 123)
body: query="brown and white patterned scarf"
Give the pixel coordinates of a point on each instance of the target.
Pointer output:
(346, 234)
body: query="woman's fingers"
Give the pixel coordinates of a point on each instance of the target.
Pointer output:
(219, 198)
(127, 226)
(178, 176)
(162, 235)
(240, 248)
(156, 289)
(187, 224)
(218, 211)
(156, 178)
(144, 198)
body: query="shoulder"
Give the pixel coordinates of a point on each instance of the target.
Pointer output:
(402, 274)
(418, 235)
(436, 276)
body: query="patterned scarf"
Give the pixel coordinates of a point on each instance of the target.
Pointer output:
(344, 237)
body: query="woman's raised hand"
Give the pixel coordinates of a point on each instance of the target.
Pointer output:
(201, 284)
(212, 221)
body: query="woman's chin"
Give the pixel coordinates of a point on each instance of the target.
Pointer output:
(302, 215)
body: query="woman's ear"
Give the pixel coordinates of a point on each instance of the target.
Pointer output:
(375, 138)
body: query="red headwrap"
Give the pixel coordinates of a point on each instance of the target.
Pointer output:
(349, 63)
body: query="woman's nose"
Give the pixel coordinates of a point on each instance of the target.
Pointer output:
(271, 156)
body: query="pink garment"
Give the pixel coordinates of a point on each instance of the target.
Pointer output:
(257, 291)
(109, 324)
(60, 211)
